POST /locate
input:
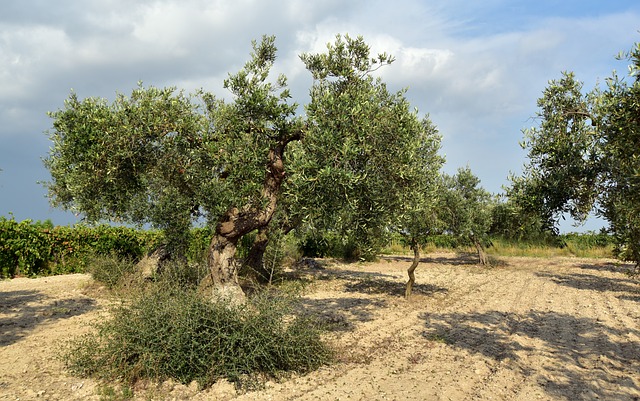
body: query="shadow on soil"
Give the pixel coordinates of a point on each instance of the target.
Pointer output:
(459, 259)
(18, 317)
(583, 352)
(341, 314)
(626, 288)
(387, 287)
(378, 283)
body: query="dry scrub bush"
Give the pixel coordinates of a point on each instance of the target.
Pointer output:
(167, 331)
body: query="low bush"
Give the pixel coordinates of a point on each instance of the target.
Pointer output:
(109, 270)
(170, 332)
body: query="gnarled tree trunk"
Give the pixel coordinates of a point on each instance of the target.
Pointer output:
(223, 269)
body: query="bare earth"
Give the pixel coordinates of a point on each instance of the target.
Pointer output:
(528, 329)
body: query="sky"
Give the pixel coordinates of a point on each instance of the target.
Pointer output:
(477, 67)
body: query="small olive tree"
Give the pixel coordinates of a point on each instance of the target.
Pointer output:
(417, 216)
(465, 209)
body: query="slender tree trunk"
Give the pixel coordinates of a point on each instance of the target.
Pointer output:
(412, 277)
(482, 254)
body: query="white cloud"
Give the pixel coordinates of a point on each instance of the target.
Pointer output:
(476, 67)
(25, 54)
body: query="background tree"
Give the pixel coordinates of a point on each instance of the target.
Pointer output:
(564, 160)
(618, 121)
(465, 209)
(511, 221)
(585, 155)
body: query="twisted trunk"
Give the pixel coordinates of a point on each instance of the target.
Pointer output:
(223, 268)
(411, 271)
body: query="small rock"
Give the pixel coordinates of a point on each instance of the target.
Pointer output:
(77, 387)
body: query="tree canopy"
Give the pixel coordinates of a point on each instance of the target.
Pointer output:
(584, 157)
(165, 158)
(465, 209)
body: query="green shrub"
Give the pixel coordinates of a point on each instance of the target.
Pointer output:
(24, 247)
(187, 275)
(169, 332)
(109, 270)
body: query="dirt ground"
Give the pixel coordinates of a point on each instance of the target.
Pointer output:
(527, 329)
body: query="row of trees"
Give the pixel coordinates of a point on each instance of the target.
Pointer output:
(584, 157)
(359, 162)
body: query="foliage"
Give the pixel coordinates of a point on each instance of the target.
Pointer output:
(562, 155)
(585, 156)
(329, 243)
(364, 149)
(417, 217)
(35, 248)
(170, 332)
(465, 209)
(511, 221)
(24, 247)
(168, 159)
(617, 110)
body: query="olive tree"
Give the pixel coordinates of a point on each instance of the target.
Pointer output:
(465, 208)
(366, 148)
(584, 155)
(563, 157)
(165, 158)
(417, 216)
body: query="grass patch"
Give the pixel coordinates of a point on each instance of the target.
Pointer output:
(111, 393)
(570, 248)
(168, 332)
(594, 246)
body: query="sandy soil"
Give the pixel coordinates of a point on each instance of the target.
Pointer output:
(528, 329)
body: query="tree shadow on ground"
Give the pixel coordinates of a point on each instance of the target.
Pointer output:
(339, 314)
(376, 283)
(370, 285)
(458, 260)
(23, 311)
(617, 267)
(627, 288)
(579, 354)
